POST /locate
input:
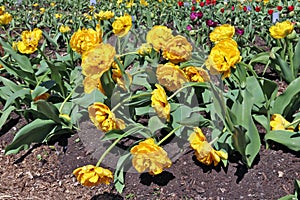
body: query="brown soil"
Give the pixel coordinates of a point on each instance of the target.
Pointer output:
(45, 172)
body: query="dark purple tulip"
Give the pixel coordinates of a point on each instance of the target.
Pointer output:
(193, 16)
(239, 31)
(211, 23)
(200, 15)
(189, 27)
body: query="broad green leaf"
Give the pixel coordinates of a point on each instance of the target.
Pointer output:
(5, 92)
(119, 180)
(115, 99)
(155, 124)
(88, 99)
(108, 84)
(287, 138)
(246, 133)
(297, 188)
(26, 76)
(11, 85)
(18, 94)
(112, 135)
(194, 120)
(141, 80)
(262, 57)
(56, 76)
(129, 59)
(22, 60)
(143, 110)
(219, 103)
(178, 115)
(296, 59)
(49, 110)
(269, 88)
(289, 197)
(53, 42)
(288, 102)
(220, 109)
(42, 88)
(57, 133)
(240, 141)
(262, 119)
(34, 132)
(5, 115)
(42, 69)
(285, 68)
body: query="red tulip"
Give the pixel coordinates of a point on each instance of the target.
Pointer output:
(211, 23)
(279, 8)
(290, 8)
(201, 4)
(193, 8)
(180, 3)
(222, 10)
(245, 9)
(232, 8)
(239, 31)
(200, 15)
(257, 8)
(270, 12)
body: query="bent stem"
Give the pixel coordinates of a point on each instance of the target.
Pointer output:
(180, 89)
(128, 99)
(291, 124)
(169, 134)
(214, 140)
(129, 53)
(66, 99)
(109, 149)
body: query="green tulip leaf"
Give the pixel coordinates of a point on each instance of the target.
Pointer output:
(246, 137)
(5, 114)
(22, 60)
(49, 110)
(296, 59)
(288, 102)
(34, 132)
(287, 138)
(155, 124)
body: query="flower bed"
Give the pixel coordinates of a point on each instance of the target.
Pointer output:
(150, 72)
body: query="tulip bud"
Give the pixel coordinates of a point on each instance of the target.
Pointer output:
(292, 35)
(291, 14)
(272, 55)
(192, 32)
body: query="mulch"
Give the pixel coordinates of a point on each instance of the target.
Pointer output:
(44, 172)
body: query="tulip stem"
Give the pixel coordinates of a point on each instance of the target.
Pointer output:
(137, 72)
(213, 141)
(169, 134)
(109, 148)
(293, 123)
(129, 53)
(128, 99)
(180, 89)
(66, 99)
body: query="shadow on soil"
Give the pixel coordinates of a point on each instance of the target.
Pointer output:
(161, 179)
(107, 196)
